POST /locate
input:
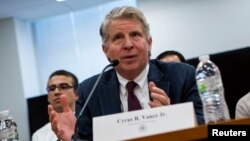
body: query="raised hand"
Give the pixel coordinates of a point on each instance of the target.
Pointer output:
(159, 97)
(62, 124)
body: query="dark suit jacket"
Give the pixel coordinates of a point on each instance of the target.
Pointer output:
(176, 79)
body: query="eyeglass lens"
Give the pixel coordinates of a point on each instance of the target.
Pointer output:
(61, 86)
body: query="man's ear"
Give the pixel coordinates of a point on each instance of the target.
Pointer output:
(105, 50)
(150, 43)
(76, 95)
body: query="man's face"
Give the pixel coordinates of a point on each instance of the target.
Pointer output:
(171, 58)
(127, 43)
(61, 85)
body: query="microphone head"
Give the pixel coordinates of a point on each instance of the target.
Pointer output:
(114, 63)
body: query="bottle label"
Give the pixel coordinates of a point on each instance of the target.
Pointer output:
(212, 83)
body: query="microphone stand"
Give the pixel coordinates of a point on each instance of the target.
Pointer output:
(112, 64)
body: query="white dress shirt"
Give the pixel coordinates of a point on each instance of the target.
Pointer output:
(141, 90)
(45, 133)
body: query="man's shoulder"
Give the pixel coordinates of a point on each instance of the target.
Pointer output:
(106, 76)
(171, 66)
(244, 100)
(242, 107)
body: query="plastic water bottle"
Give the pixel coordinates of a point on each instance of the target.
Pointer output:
(211, 90)
(8, 127)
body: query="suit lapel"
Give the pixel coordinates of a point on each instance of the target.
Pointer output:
(158, 77)
(109, 94)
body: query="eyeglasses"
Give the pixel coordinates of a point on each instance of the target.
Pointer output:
(61, 87)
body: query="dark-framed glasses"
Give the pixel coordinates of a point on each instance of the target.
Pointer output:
(61, 87)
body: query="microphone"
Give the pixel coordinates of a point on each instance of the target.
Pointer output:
(112, 64)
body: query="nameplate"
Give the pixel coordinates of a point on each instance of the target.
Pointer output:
(146, 122)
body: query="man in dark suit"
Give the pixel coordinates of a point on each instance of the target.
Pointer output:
(126, 37)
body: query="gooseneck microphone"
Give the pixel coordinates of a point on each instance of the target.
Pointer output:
(112, 64)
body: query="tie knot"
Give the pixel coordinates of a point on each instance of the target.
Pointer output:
(131, 86)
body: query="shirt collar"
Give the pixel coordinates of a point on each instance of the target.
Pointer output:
(140, 79)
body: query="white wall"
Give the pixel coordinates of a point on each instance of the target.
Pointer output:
(197, 27)
(27, 59)
(12, 95)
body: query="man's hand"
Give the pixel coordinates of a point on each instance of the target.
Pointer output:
(159, 97)
(62, 124)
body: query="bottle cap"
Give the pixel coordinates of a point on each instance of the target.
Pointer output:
(4, 113)
(204, 58)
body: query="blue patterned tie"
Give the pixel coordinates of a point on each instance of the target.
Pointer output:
(133, 102)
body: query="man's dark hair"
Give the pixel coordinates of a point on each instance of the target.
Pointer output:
(68, 74)
(169, 53)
